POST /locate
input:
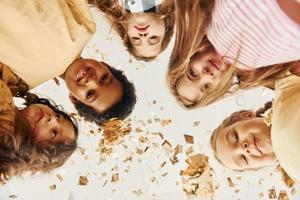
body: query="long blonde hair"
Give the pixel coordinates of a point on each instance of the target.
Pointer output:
(192, 19)
(117, 16)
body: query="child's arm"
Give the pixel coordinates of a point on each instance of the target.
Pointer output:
(291, 8)
(15, 83)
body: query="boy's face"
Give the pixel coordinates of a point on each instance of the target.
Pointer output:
(245, 144)
(91, 82)
(146, 33)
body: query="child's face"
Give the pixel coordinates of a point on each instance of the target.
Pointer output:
(203, 75)
(146, 33)
(245, 144)
(48, 125)
(90, 82)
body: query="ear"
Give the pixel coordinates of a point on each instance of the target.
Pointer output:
(247, 115)
(72, 98)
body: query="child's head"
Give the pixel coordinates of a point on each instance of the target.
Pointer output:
(144, 34)
(243, 141)
(98, 91)
(43, 138)
(206, 77)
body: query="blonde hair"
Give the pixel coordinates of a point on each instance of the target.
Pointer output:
(233, 118)
(191, 19)
(117, 16)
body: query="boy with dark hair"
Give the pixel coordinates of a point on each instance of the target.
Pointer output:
(99, 91)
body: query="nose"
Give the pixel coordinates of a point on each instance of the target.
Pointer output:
(246, 147)
(208, 71)
(143, 34)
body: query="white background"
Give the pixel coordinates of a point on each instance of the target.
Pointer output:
(154, 101)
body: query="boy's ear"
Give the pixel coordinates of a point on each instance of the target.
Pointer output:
(72, 98)
(247, 115)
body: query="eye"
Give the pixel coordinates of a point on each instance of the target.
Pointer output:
(153, 37)
(53, 134)
(49, 119)
(245, 159)
(89, 94)
(104, 78)
(236, 136)
(57, 116)
(192, 73)
(135, 38)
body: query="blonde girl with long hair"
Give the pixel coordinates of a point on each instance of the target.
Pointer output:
(200, 74)
(146, 27)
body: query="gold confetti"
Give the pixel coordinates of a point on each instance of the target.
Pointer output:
(83, 180)
(59, 177)
(138, 192)
(13, 196)
(230, 183)
(115, 178)
(283, 195)
(52, 187)
(56, 81)
(189, 139)
(272, 193)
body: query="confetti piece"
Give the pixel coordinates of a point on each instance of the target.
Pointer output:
(83, 180)
(56, 81)
(230, 183)
(138, 192)
(283, 195)
(272, 193)
(52, 187)
(13, 196)
(115, 178)
(59, 177)
(189, 139)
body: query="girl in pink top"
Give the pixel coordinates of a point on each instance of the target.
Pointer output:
(243, 37)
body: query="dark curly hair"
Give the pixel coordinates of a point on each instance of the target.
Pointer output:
(19, 152)
(120, 110)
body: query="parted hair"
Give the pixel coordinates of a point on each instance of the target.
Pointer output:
(117, 17)
(19, 152)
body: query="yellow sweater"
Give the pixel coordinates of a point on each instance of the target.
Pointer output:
(286, 125)
(39, 39)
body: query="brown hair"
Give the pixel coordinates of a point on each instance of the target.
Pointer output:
(233, 118)
(19, 152)
(191, 24)
(117, 16)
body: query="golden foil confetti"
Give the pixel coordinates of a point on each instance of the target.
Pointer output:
(83, 180)
(52, 187)
(189, 139)
(272, 193)
(115, 178)
(230, 183)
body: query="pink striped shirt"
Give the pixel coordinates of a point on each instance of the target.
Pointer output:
(259, 29)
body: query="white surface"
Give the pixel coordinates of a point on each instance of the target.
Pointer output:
(149, 79)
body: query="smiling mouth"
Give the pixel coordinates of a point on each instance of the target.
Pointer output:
(256, 146)
(141, 29)
(214, 65)
(81, 74)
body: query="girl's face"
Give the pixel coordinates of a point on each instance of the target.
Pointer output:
(245, 144)
(48, 125)
(203, 75)
(146, 33)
